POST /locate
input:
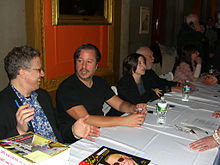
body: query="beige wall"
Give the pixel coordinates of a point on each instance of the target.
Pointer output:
(12, 31)
(125, 15)
(130, 37)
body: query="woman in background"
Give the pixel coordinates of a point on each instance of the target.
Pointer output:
(131, 87)
(189, 67)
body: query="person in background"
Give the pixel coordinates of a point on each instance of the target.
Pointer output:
(26, 107)
(131, 87)
(83, 93)
(189, 66)
(211, 34)
(152, 80)
(191, 32)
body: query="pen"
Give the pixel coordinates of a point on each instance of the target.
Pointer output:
(151, 106)
(152, 112)
(16, 102)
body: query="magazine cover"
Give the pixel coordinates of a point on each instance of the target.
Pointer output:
(109, 156)
(32, 147)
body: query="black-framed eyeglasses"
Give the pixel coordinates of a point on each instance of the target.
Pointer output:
(37, 69)
(119, 160)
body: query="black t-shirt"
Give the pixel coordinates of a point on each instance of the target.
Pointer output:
(72, 92)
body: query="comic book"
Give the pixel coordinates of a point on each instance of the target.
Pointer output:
(109, 156)
(31, 148)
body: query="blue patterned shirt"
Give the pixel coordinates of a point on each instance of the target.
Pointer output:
(40, 122)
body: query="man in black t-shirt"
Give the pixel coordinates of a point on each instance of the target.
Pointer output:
(83, 93)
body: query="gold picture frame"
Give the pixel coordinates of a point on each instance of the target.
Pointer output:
(81, 12)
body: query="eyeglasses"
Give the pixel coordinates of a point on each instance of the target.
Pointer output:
(39, 69)
(119, 160)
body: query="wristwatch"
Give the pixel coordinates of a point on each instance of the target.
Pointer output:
(216, 137)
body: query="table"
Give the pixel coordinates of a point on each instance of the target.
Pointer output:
(163, 145)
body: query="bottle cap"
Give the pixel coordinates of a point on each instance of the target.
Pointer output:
(139, 109)
(162, 98)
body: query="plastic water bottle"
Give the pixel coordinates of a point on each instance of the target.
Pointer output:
(186, 91)
(161, 111)
(211, 70)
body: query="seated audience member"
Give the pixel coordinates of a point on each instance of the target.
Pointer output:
(35, 112)
(189, 66)
(131, 87)
(210, 79)
(83, 93)
(151, 79)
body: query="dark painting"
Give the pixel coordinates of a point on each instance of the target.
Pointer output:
(81, 7)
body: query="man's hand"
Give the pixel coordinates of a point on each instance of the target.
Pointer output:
(143, 107)
(216, 114)
(209, 79)
(23, 116)
(81, 129)
(134, 119)
(204, 144)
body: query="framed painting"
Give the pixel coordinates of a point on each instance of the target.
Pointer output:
(144, 20)
(81, 12)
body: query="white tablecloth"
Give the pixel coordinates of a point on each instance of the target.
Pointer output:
(163, 145)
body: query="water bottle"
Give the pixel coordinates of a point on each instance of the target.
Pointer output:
(186, 91)
(211, 70)
(161, 111)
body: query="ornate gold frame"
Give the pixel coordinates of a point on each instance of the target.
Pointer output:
(36, 38)
(60, 19)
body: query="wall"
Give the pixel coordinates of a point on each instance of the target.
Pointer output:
(135, 39)
(12, 31)
(125, 15)
(217, 4)
(61, 41)
(130, 37)
(175, 14)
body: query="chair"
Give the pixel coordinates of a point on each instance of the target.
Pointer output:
(107, 107)
(164, 58)
(169, 55)
(168, 76)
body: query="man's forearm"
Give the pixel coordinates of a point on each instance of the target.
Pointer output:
(127, 107)
(105, 121)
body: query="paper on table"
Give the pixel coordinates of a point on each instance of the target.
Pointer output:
(207, 125)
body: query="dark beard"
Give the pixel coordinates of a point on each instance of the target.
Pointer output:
(84, 79)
